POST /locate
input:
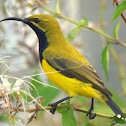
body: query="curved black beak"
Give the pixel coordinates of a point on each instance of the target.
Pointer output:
(39, 32)
(25, 20)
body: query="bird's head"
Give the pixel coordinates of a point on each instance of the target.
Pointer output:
(46, 28)
(42, 21)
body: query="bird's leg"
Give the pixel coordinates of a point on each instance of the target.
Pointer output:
(90, 113)
(54, 105)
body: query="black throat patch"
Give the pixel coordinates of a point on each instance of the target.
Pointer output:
(43, 43)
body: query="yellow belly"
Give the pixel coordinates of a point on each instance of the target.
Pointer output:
(72, 86)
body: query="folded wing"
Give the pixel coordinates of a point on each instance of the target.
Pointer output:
(82, 72)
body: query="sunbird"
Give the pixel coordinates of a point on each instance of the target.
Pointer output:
(65, 66)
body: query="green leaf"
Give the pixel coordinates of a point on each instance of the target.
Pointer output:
(119, 10)
(119, 120)
(74, 32)
(82, 24)
(68, 117)
(57, 7)
(105, 60)
(116, 29)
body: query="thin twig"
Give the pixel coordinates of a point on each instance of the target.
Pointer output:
(97, 114)
(59, 107)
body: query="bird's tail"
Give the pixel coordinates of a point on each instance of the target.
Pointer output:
(115, 108)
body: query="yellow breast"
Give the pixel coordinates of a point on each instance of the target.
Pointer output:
(72, 86)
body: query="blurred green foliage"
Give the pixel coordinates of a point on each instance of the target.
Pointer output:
(48, 93)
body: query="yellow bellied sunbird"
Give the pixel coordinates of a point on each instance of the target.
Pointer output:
(74, 73)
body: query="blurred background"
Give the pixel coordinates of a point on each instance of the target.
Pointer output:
(19, 47)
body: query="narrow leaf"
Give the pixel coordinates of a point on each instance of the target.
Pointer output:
(116, 29)
(57, 7)
(68, 117)
(82, 24)
(105, 60)
(119, 10)
(74, 32)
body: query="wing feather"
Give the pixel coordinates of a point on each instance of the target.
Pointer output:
(81, 72)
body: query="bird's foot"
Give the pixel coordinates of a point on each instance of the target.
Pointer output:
(91, 114)
(54, 107)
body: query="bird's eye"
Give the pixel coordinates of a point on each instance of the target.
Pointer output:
(36, 20)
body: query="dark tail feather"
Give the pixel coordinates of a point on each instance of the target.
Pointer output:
(114, 107)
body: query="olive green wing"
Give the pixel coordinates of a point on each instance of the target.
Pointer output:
(82, 72)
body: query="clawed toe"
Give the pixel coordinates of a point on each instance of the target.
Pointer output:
(54, 107)
(90, 112)
(91, 115)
